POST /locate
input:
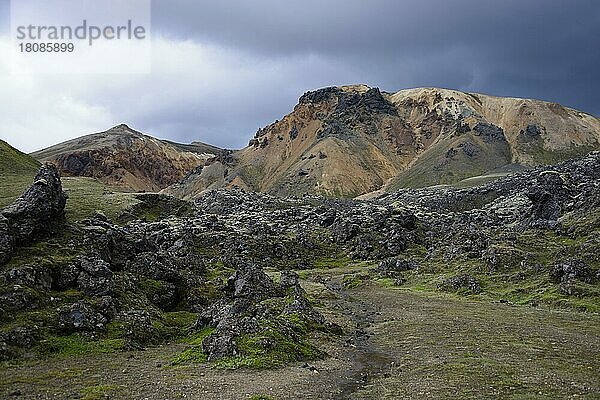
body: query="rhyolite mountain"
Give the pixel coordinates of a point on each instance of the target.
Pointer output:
(127, 159)
(351, 140)
(345, 142)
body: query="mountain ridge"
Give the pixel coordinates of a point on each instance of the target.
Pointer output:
(346, 141)
(350, 140)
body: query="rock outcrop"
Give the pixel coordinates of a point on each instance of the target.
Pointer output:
(205, 269)
(34, 213)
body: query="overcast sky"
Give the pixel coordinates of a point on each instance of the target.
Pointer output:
(222, 69)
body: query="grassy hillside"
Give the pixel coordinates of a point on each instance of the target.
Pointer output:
(12, 161)
(86, 195)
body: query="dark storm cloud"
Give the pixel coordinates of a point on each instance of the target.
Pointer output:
(535, 48)
(223, 68)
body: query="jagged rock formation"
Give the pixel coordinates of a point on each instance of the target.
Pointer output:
(347, 141)
(198, 268)
(41, 206)
(127, 159)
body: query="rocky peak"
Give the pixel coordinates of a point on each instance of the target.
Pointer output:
(351, 140)
(123, 129)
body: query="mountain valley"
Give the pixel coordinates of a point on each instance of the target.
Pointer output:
(468, 266)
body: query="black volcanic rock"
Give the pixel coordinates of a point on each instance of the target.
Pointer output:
(320, 95)
(34, 213)
(489, 132)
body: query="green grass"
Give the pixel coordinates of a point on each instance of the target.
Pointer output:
(337, 261)
(544, 156)
(13, 185)
(434, 168)
(98, 392)
(255, 356)
(86, 195)
(13, 161)
(354, 280)
(521, 275)
(194, 353)
(252, 175)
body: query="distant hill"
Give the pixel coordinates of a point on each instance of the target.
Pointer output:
(125, 158)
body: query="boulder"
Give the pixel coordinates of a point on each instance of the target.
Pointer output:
(218, 345)
(38, 208)
(462, 283)
(6, 241)
(289, 280)
(38, 277)
(96, 278)
(81, 316)
(138, 328)
(250, 282)
(33, 213)
(571, 270)
(17, 298)
(393, 265)
(546, 197)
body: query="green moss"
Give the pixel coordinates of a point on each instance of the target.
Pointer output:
(175, 325)
(256, 356)
(77, 345)
(354, 280)
(387, 282)
(298, 322)
(261, 397)
(114, 330)
(210, 291)
(52, 253)
(341, 260)
(194, 354)
(41, 317)
(218, 271)
(98, 392)
(151, 287)
(180, 319)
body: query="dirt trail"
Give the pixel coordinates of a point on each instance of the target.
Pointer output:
(399, 344)
(369, 362)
